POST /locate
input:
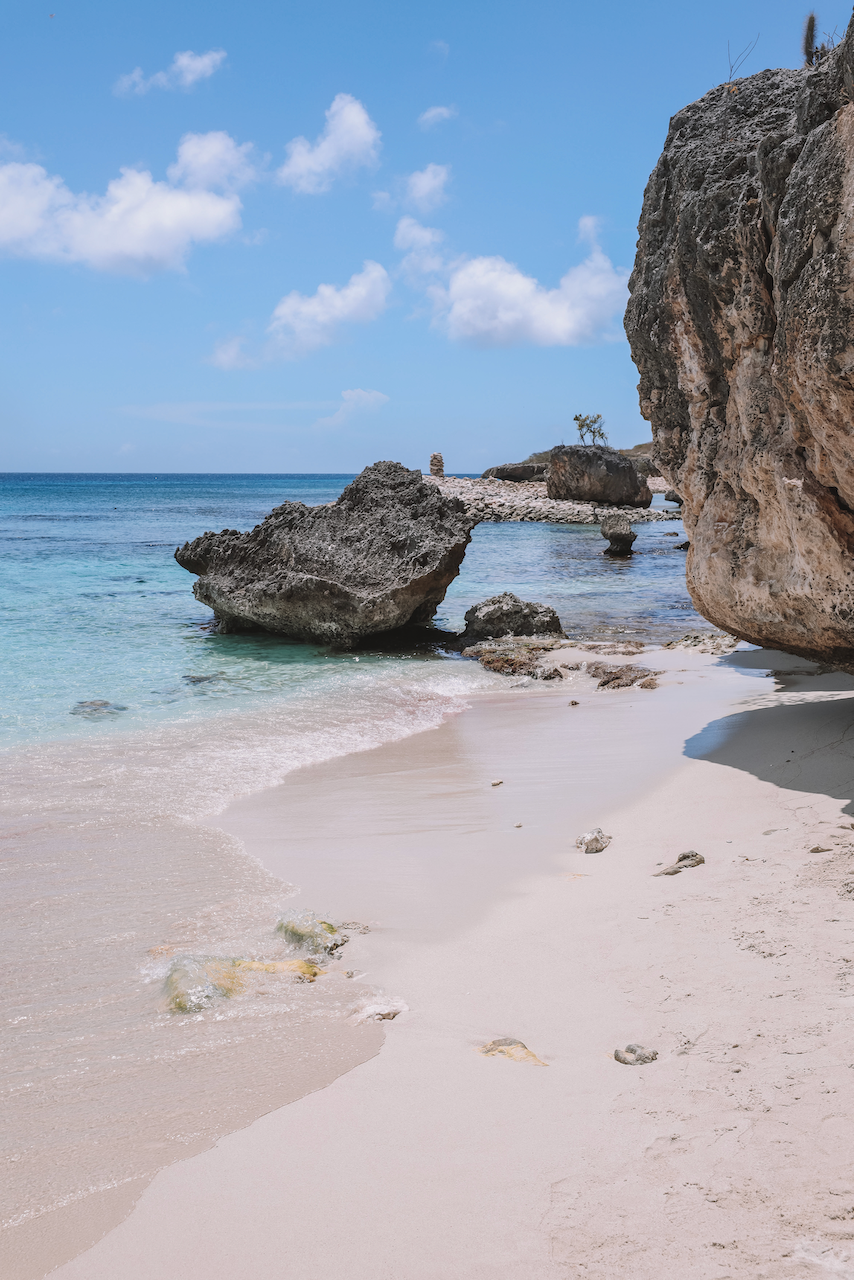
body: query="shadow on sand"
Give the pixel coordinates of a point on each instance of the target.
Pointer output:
(801, 740)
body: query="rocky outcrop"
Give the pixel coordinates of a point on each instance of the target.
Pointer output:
(516, 471)
(741, 323)
(503, 500)
(379, 557)
(595, 473)
(619, 532)
(507, 615)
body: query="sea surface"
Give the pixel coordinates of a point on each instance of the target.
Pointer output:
(126, 721)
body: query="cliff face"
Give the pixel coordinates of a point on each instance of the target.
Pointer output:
(741, 323)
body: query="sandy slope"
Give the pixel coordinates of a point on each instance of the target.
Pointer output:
(729, 1156)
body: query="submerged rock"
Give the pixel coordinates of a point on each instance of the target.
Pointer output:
(381, 556)
(619, 532)
(507, 615)
(596, 473)
(740, 323)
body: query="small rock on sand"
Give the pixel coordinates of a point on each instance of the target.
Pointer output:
(635, 1055)
(509, 1048)
(691, 858)
(499, 782)
(593, 841)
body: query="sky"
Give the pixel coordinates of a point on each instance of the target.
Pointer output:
(303, 237)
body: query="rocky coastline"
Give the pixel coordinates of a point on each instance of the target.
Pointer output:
(492, 500)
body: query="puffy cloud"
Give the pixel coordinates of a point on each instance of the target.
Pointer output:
(489, 302)
(425, 189)
(350, 140)
(355, 401)
(301, 324)
(423, 256)
(186, 70)
(436, 115)
(139, 225)
(212, 160)
(229, 355)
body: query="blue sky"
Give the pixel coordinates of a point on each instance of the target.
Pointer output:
(289, 237)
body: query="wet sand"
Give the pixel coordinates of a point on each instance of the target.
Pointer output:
(728, 1156)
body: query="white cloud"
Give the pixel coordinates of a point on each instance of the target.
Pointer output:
(356, 401)
(422, 243)
(349, 140)
(186, 70)
(229, 355)
(441, 47)
(212, 160)
(436, 115)
(425, 189)
(489, 302)
(139, 225)
(301, 324)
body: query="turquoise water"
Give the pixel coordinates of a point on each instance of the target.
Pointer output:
(95, 609)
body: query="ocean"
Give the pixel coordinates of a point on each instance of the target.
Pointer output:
(125, 722)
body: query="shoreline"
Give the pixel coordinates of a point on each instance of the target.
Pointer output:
(434, 1159)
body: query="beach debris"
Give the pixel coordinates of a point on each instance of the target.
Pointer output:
(375, 1006)
(507, 615)
(691, 858)
(304, 931)
(820, 848)
(96, 708)
(574, 703)
(506, 1047)
(593, 841)
(518, 824)
(498, 782)
(192, 984)
(635, 1055)
(379, 557)
(619, 532)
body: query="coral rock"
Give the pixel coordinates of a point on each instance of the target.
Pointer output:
(596, 473)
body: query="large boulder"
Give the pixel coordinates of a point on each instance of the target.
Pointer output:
(596, 473)
(617, 528)
(516, 471)
(507, 615)
(740, 322)
(379, 557)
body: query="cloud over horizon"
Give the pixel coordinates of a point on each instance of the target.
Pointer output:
(354, 402)
(186, 69)
(489, 302)
(350, 140)
(139, 225)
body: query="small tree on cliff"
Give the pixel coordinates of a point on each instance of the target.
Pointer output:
(591, 428)
(809, 40)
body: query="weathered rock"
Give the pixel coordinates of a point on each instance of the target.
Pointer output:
(437, 464)
(595, 473)
(620, 534)
(690, 859)
(593, 841)
(379, 557)
(513, 656)
(518, 471)
(507, 1047)
(507, 615)
(740, 322)
(672, 496)
(635, 1055)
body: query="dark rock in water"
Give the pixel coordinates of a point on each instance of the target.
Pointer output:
(672, 496)
(619, 532)
(740, 323)
(516, 471)
(507, 615)
(595, 473)
(682, 546)
(96, 709)
(379, 557)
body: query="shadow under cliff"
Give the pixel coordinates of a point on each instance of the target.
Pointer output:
(802, 739)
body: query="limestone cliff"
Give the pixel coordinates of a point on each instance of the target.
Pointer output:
(741, 323)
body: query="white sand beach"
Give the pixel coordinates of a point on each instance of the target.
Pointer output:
(727, 1156)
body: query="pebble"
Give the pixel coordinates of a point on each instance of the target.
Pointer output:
(499, 782)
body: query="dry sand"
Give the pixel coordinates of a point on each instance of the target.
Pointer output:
(728, 1156)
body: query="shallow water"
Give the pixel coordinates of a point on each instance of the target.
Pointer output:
(125, 719)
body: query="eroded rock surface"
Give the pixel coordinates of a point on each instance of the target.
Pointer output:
(381, 556)
(741, 322)
(596, 473)
(619, 532)
(507, 615)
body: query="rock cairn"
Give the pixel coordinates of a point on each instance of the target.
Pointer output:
(437, 464)
(504, 500)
